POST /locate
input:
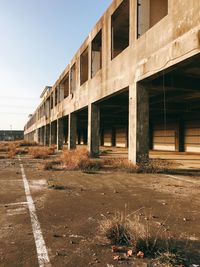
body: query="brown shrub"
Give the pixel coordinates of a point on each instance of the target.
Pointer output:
(11, 151)
(52, 150)
(154, 166)
(40, 152)
(144, 166)
(79, 160)
(52, 164)
(123, 229)
(121, 164)
(3, 147)
(128, 230)
(27, 143)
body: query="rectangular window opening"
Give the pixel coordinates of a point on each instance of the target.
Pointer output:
(65, 86)
(150, 12)
(96, 62)
(84, 67)
(51, 101)
(73, 78)
(120, 21)
(56, 96)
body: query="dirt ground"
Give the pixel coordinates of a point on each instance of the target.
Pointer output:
(69, 218)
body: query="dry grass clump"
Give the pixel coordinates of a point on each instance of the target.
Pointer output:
(22, 151)
(122, 229)
(41, 152)
(3, 147)
(154, 166)
(12, 150)
(144, 166)
(79, 160)
(27, 143)
(52, 164)
(170, 258)
(121, 164)
(128, 230)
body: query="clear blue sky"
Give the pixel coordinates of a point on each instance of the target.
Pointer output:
(38, 40)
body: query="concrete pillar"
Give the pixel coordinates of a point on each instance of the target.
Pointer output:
(72, 131)
(138, 122)
(41, 136)
(50, 134)
(36, 139)
(47, 134)
(53, 133)
(44, 135)
(60, 134)
(93, 129)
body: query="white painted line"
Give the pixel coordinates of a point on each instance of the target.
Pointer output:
(15, 204)
(42, 253)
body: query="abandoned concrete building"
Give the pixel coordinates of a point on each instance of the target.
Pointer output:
(134, 83)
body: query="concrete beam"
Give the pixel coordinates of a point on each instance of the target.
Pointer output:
(93, 129)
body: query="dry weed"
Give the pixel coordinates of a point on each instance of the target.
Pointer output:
(40, 152)
(124, 229)
(27, 143)
(121, 164)
(51, 164)
(154, 165)
(79, 160)
(145, 165)
(11, 151)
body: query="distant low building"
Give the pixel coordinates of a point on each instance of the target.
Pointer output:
(11, 135)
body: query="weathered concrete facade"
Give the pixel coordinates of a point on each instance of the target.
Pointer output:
(134, 82)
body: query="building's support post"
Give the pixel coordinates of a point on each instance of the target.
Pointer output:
(44, 135)
(53, 133)
(38, 135)
(138, 122)
(50, 134)
(181, 136)
(41, 136)
(72, 131)
(93, 129)
(60, 133)
(36, 139)
(47, 134)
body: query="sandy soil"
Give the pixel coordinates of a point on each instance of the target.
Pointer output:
(69, 218)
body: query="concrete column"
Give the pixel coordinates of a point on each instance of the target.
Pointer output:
(138, 122)
(36, 139)
(44, 135)
(47, 134)
(93, 129)
(41, 136)
(53, 133)
(50, 134)
(60, 134)
(72, 131)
